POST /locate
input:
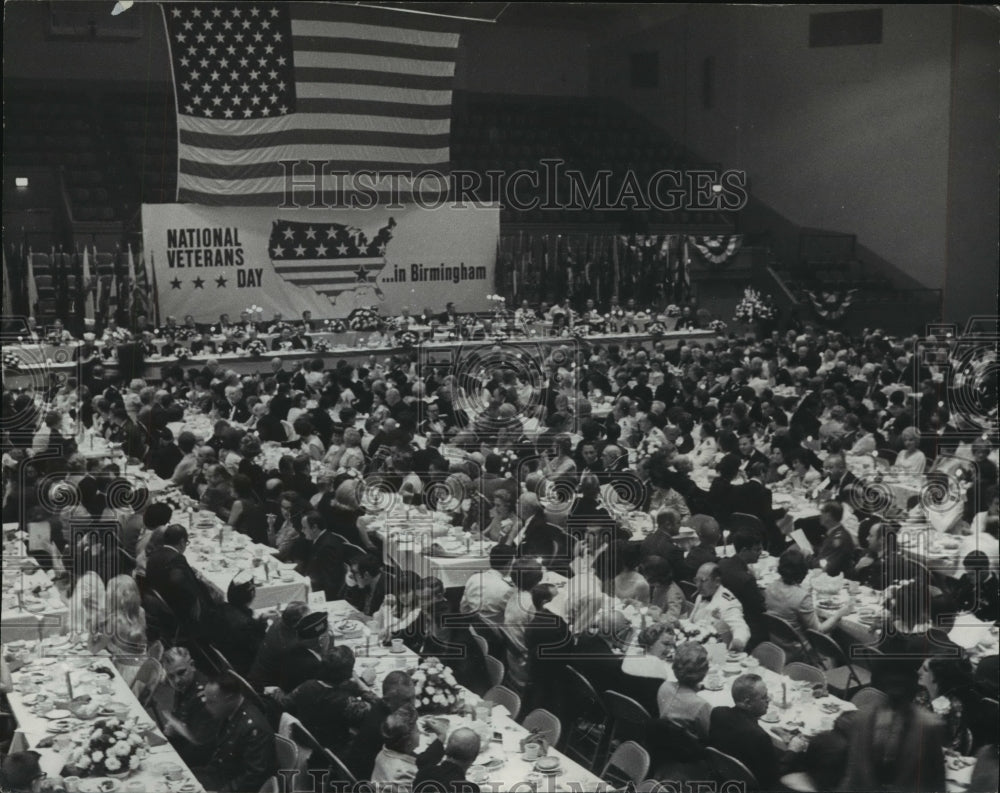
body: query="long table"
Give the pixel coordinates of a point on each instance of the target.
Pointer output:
(38, 362)
(373, 658)
(40, 685)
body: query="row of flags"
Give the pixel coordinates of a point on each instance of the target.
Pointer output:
(85, 287)
(548, 267)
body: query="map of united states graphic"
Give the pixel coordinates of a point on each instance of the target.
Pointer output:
(329, 258)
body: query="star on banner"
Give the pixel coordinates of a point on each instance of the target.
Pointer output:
(362, 274)
(199, 283)
(220, 282)
(175, 284)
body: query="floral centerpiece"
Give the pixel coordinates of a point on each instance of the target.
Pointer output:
(181, 353)
(183, 334)
(499, 304)
(407, 339)
(673, 310)
(363, 319)
(646, 448)
(334, 326)
(321, 346)
(754, 306)
(696, 632)
(656, 329)
(113, 747)
(717, 326)
(117, 334)
(255, 348)
(579, 331)
(508, 462)
(435, 687)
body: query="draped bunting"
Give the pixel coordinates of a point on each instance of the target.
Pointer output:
(717, 249)
(549, 267)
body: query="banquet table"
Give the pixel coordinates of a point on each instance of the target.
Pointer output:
(33, 606)
(40, 691)
(379, 660)
(217, 560)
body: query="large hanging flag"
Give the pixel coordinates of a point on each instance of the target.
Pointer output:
(32, 285)
(259, 84)
(87, 289)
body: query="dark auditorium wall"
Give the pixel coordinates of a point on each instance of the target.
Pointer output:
(852, 139)
(491, 58)
(973, 201)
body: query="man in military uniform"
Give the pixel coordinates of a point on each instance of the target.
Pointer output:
(243, 757)
(189, 726)
(717, 605)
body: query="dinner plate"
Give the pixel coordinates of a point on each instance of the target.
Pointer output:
(346, 627)
(548, 771)
(770, 718)
(58, 713)
(58, 727)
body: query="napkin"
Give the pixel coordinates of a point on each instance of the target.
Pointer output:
(969, 630)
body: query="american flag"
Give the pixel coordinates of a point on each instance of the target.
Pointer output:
(259, 84)
(328, 257)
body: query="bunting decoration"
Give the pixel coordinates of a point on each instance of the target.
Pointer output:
(717, 249)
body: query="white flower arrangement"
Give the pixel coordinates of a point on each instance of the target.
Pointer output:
(673, 310)
(435, 687)
(717, 326)
(753, 306)
(113, 746)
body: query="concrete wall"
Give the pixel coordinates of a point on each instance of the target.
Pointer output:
(491, 58)
(973, 201)
(851, 139)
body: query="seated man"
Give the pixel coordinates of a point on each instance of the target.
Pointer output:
(189, 726)
(717, 606)
(243, 753)
(735, 730)
(487, 592)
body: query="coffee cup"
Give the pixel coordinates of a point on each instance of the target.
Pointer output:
(397, 645)
(532, 751)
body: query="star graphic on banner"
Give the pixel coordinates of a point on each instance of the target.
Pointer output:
(220, 282)
(175, 284)
(199, 283)
(362, 274)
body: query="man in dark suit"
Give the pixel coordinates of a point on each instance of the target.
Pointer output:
(661, 543)
(449, 774)
(755, 498)
(168, 572)
(322, 556)
(735, 730)
(302, 660)
(267, 426)
(233, 407)
(370, 584)
(737, 578)
(539, 538)
(204, 346)
(449, 316)
(748, 453)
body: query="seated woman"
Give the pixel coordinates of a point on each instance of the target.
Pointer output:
(247, 513)
(124, 631)
(504, 525)
(87, 604)
(630, 586)
(679, 700)
(664, 594)
(947, 690)
(801, 476)
(401, 611)
(910, 459)
(788, 599)
(218, 494)
(397, 763)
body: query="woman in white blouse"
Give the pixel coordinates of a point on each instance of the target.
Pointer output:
(910, 460)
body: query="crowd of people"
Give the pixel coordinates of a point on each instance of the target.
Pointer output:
(697, 436)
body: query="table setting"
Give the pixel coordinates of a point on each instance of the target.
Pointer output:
(32, 605)
(76, 710)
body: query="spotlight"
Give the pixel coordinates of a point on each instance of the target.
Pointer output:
(121, 7)
(21, 181)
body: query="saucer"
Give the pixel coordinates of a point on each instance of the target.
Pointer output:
(770, 718)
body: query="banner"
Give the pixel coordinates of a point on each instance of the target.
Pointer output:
(209, 261)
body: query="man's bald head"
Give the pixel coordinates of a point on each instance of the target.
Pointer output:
(528, 506)
(463, 746)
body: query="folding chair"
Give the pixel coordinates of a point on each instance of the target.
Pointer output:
(868, 698)
(147, 680)
(494, 670)
(586, 716)
(690, 590)
(501, 695)
(541, 721)
(671, 743)
(339, 771)
(783, 634)
(479, 641)
(842, 677)
(730, 770)
(271, 786)
(797, 670)
(628, 763)
(219, 661)
(291, 764)
(770, 655)
(624, 715)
